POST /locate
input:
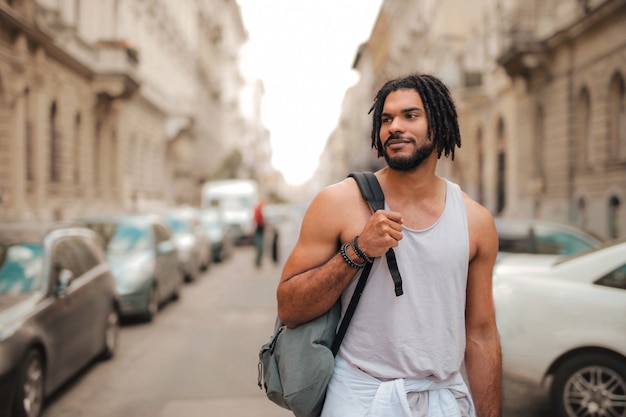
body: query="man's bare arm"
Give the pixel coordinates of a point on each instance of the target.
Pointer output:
(483, 358)
(315, 274)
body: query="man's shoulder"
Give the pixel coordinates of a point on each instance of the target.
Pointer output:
(342, 195)
(345, 188)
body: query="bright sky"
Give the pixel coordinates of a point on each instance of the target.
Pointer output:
(303, 52)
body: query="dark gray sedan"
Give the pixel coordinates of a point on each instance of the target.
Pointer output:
(142, 255)
(58, 311)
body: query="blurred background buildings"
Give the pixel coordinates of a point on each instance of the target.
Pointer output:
(111, 106)
(540, 91)
(126, 106)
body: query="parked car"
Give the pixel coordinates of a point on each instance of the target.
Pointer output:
(191, 242)
(542, 237)
(562, 323)
(219, 234)
(58, 311)
(141, 253)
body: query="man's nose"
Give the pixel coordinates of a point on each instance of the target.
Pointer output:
(396, 125)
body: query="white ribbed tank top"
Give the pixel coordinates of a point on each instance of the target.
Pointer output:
(421, 333)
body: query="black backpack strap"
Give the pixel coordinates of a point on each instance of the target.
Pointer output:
(373, 194)
(356, 296)
(370, 189)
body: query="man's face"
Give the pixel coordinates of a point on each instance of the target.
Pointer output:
(404, 130)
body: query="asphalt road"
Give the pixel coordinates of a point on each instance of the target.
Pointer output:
(199, 357)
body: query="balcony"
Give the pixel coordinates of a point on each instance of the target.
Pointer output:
(116, 68)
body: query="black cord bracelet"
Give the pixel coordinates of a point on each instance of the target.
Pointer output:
(359, 252)
(349, 261)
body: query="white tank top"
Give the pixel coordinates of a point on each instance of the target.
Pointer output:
(420, 334)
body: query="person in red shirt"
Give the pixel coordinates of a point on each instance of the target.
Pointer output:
(259, 232)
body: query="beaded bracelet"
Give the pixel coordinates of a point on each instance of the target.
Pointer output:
(347, 258)
(359, 252)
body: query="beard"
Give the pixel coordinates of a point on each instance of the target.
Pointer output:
(408, 163)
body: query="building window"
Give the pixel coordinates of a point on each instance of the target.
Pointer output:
(472, 79)
(501, 179)
(614, 217)
(480, 154)
(29, 145)
(77, 148)
(113, 165)
(539, 150)
(30, 151)
(95, 157)
(617, 119)
(583, 125)
(55, 145)
(581, 214)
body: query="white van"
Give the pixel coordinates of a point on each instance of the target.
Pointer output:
(236, 200)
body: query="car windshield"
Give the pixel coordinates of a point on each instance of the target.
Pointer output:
(122, 237)
(178, 225)
(21, 268)
(236, 202)
(580, 254)
(563, 243)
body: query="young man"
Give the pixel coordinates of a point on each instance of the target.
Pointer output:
(402, 355)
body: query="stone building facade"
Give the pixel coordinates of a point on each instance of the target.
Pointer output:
(114, 106)
(539, 88)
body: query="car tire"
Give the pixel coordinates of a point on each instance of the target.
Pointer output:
(29, 392)
(111, 335)
(590, 384)
(179, 286)
(194, 272)
(153, 304)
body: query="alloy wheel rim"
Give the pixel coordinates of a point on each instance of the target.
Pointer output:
(595, 391)
(111, 332)
(33, 388)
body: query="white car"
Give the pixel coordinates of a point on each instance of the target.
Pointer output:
(562, 323)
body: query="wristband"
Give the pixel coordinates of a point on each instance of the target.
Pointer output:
(349, 261)
(359, 252)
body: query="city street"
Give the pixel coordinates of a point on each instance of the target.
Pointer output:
(199, 357)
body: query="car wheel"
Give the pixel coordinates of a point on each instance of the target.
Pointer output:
(178, 288)
(30, 393)
(205, 263)
(194, 271)
(111, 334)
(153, 304)
(591, 385)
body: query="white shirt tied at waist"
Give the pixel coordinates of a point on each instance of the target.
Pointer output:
(353, 393)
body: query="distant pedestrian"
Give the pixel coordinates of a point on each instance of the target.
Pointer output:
(275, 254)
(259, 232)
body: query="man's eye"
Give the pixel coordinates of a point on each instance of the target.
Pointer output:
(385, 120)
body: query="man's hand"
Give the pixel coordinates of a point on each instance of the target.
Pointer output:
(382, 231)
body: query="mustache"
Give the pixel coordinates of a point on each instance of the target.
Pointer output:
(398, 138)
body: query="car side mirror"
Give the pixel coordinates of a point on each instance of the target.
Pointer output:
(165, 247)
(64, 279)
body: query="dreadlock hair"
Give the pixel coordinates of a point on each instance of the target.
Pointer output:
(443, 125)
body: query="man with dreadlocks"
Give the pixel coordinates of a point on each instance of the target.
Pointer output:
(402, 355)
